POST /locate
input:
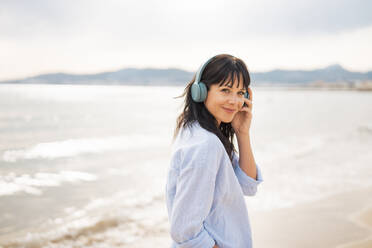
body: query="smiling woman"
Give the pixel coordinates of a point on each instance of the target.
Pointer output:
(223, 102)
(214, 90)
(207, 180)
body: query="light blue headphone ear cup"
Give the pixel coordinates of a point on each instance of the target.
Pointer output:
(203, 91)
(198, 92)
(195, 92)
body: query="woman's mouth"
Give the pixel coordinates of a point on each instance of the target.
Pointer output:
(228, 110)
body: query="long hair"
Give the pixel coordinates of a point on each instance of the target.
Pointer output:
(221, 69)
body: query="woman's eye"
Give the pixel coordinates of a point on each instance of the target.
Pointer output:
(227, 90)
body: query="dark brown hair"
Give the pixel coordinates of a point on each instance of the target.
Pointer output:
(222, 69)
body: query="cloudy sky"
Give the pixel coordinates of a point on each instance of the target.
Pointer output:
(87, 36)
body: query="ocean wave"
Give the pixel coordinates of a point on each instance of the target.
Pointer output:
(74, 147)
(100, 224)
(12, 183)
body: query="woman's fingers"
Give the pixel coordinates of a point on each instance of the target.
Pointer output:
(248, 102)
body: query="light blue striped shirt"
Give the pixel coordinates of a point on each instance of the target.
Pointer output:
(205, 193)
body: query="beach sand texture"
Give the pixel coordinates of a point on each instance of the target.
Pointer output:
(363, 219)
(339, 221)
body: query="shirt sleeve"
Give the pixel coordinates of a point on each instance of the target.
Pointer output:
(247, 183)
(194, 197)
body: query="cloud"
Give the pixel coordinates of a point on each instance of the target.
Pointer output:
(164, 19)
(85, 36)
(307, 17)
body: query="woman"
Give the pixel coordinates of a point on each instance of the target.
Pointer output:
(207, 180)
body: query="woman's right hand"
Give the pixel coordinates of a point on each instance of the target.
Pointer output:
(215, 246)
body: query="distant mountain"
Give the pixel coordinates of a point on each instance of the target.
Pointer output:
(173, 76)
(332, 73)
(131, 76)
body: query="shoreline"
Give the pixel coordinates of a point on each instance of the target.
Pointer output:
(334, 221)
(342, 220)
(362, 218)
(265, 86)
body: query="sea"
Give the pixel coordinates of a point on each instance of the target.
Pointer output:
(86, 165)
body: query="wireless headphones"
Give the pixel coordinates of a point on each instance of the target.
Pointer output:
(199, 89)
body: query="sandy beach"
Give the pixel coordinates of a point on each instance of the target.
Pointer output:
(363, 219)
(339, 221)
(342, 220)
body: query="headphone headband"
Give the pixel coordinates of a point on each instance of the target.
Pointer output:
(199, 90)
(201, 69)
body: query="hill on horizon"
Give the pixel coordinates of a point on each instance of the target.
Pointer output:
(174, 76)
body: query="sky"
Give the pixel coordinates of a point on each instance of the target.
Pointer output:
(90, 36)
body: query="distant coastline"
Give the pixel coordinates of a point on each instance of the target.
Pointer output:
(333, 77)
(365, 85)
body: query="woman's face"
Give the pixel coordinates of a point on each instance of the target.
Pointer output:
(223, 102)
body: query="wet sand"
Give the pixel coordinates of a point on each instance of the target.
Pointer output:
(363, 219)
(339, 221)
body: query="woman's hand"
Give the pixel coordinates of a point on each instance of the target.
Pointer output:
(215, 246)
(242, 120)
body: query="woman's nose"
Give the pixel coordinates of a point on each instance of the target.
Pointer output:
(235, 99)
